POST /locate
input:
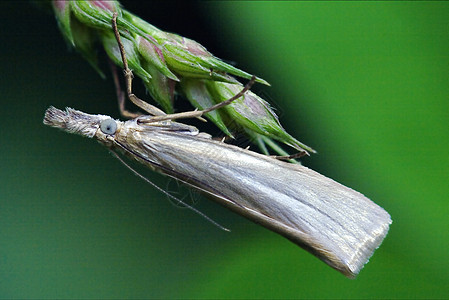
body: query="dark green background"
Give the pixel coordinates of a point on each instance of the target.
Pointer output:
(364, 83)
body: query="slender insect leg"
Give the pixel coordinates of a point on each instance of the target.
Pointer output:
(199, 113)
(289, 157)
(153, 110)
(158, 114)
(120, 94)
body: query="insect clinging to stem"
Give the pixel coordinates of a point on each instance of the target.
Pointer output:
(340, 226)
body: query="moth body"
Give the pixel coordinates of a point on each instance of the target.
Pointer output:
(335, 223)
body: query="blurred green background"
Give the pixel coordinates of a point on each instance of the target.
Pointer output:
(364, 83)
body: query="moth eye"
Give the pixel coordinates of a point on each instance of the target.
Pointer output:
(108, 126)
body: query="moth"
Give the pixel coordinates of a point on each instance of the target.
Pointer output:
(337, 224)
(340, 226)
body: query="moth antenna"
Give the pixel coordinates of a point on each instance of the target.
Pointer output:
(168, 194)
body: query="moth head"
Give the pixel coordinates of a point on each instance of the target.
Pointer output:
(75, 121)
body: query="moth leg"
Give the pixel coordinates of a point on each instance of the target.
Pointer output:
(199, 113)
(158, 114)
(151, 109)
(289, 157)
(120, 94)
